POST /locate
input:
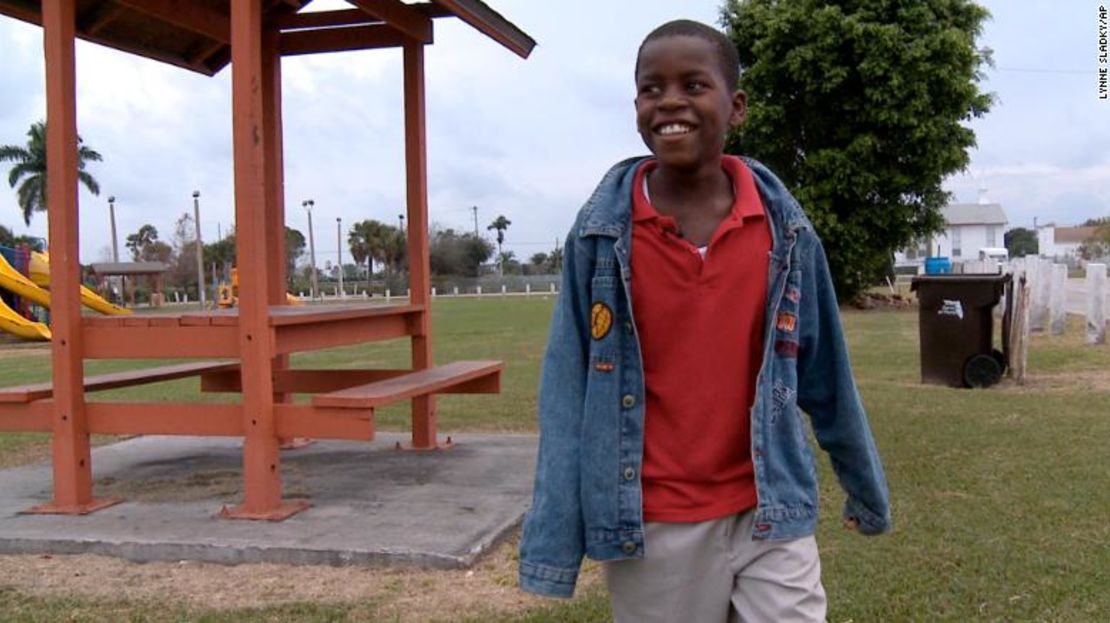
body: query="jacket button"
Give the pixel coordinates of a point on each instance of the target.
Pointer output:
(628, 401)
(629, 473)
(628, 547)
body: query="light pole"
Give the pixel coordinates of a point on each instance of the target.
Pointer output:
(308, 204)
(200, 250)
(401, 219)
(339, 253)
(112, 216)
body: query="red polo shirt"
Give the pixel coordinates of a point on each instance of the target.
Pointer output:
(701, 325)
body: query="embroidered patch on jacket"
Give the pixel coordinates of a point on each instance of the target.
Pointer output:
(601, 320)
(786, 348)
(605, 366)
(793, 294)
(786, 321)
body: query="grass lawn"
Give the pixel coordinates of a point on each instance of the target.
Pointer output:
(1001, 497)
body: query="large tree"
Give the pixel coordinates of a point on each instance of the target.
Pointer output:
(1020, 241)
(29, 170)
(860, 107)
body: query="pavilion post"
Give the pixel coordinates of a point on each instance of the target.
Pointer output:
(72, 462)
(416, 175)
(254, 145)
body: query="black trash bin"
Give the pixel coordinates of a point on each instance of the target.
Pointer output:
(956, 328)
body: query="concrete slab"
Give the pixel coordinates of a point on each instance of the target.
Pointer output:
(371, 504)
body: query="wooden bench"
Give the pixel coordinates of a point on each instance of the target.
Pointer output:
(459, 377)
(39, 391)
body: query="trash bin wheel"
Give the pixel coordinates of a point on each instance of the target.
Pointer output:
(982, 371)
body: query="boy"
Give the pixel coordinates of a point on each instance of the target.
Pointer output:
(696, 318)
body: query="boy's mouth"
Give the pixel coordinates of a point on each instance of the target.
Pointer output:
(674, 129)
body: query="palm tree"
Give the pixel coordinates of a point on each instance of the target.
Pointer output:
(141, 241)
(30, 167)
(500, 224)
(371, 241)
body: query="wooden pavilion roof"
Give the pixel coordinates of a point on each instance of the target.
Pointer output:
(196, 34)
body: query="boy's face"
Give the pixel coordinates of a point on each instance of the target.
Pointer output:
(684, 107)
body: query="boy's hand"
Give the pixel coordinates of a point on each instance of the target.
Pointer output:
(850, 523)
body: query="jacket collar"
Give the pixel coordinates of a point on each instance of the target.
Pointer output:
(609, 209)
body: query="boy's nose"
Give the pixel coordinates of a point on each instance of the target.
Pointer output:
(672, 100)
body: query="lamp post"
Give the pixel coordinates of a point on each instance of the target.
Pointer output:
(308, 205)
(200, 250)
(112, 216)
(339, 253)
(401, 219)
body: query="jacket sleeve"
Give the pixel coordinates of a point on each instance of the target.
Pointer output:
(827, 392)
(553, 542)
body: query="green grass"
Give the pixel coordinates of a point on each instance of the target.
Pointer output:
(1000, 496)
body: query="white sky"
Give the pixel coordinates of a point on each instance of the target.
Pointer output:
(527, 139)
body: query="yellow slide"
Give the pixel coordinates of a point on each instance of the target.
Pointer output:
(11, 279)
(40, 275)
(20, 326)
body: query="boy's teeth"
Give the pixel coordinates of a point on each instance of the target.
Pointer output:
(674, 128)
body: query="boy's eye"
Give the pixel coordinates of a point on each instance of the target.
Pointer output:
(696, 86)
(650, 89)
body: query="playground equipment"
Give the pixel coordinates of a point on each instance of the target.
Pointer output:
(227, 294)
(14, 323)
(40, 275)
(29, 288)
(251, 342)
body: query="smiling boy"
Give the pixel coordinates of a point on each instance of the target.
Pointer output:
(671, 442)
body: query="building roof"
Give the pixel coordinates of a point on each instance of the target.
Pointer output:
(196, 34)
(1073, 235)
(974, 214)
(128, 268)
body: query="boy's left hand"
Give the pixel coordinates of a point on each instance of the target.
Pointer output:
(850, 523)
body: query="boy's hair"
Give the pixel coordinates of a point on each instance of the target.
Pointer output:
(727, 56)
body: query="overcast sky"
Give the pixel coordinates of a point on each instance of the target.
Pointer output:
(525, 138)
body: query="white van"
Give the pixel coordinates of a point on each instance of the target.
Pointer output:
(996, 254)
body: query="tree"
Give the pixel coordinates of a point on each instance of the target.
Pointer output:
(452, 253)
(859, 108)
(501, 224)
(506, 262)
(1020, 242)
(30, 167)
(141, 240)
(294, 249)
(1097, 245)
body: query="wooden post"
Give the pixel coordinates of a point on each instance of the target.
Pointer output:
(1096, 299)
(1042, 281)
(1019, 331)
(1058, 299)
(254, 144)
(416, 175)
(72, 462)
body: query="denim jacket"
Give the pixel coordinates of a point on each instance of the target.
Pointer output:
(587, 497)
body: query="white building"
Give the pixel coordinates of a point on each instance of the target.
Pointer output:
(1061, 243)
(968, 228)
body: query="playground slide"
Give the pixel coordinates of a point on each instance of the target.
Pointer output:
(40, 275)
(20, 326)
(11, 279)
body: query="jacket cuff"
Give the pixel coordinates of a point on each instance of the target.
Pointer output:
(547, 581)
(869, 523)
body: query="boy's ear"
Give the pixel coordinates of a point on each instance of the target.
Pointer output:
(739, 108)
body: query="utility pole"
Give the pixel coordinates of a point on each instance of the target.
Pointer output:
(308, 205)
(200, 250)
(112, 216)
(475, 209)
(339, 253)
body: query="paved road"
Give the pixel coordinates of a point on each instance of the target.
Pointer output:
(1077, 297)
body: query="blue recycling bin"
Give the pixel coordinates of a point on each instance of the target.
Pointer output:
(939, 265)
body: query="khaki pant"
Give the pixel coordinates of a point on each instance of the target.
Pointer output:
(714, 572)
